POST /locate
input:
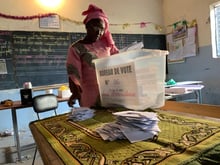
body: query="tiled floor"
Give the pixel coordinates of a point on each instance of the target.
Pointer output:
(8, 154)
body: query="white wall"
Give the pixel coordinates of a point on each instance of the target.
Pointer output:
(176, 10)
(202, 66)
(119, 13)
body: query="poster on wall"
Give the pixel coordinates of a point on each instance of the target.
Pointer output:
(50, 22)
(179, 31)
(181, 46)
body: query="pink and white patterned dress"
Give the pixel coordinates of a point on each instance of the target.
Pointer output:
(81, 70)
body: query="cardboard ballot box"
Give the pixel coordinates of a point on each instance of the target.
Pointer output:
(133, 79)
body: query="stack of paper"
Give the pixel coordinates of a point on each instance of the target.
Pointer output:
(81, 113)
(175, 90)
(133, 125)
(111, 131)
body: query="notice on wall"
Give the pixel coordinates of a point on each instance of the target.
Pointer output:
(52, 22)
(3, 68)
(183, 47)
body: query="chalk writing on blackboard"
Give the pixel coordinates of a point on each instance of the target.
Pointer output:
(5, 44)
(3, 68)
(39, 43)
(40, 57)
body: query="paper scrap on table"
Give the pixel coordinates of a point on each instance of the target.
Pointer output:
(81, 113)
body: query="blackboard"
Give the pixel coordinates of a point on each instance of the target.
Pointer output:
(40, 57)
(156, 42)
(6, 80)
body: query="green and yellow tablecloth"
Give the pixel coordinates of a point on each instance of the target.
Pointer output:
(183, 140)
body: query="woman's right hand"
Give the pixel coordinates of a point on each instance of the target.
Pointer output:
(71, 101)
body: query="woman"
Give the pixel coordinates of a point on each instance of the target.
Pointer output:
(97, 43)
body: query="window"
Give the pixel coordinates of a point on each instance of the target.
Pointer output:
(215, 29)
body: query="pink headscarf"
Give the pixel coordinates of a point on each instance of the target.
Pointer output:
(94, 12)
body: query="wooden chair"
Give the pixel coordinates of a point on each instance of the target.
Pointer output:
(44, 103)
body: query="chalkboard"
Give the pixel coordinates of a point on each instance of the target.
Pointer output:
(40, 57)
(6, 80)
(156, 42)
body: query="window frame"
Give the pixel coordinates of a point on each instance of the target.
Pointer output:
(215, 40)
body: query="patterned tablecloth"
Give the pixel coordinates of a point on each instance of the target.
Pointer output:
(183, 140)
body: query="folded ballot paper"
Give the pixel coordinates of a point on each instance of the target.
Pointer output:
(132, 125)
(81, 113)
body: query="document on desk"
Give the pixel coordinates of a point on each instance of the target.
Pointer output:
(183, 87)
(187, 83)
(175, 90)
(182, 83)
(191, 87)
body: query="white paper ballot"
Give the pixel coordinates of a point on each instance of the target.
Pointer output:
(135, 135)
(132, 125)
(81, 113)
(137, 114)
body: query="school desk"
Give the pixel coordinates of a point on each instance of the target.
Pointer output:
(185, 88)
(16, 106)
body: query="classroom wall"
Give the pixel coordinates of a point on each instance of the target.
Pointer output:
(201, 67)
(126, 16)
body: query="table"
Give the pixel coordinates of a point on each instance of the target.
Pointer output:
(17, 105)
(61, 141)
(185, 88)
